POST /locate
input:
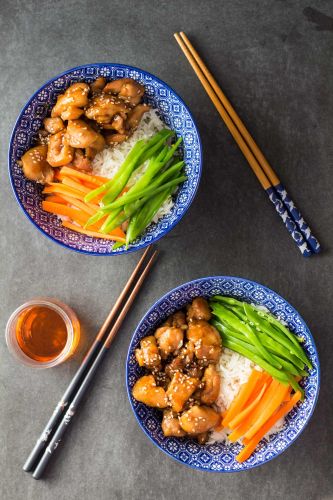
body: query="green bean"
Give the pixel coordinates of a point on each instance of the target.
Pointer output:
(234, 346)
(258, 317)
(142, 219)
(130, 159)
(265, 322)
(236, 324)
(289, 367)
(273, 347)
(124, 173)
(133, 196)
(111, 219)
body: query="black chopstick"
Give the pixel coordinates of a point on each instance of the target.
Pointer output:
(85, 366)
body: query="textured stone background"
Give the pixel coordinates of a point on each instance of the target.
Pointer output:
(274, 61)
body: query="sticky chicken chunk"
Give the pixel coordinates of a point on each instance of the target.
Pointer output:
(134, 116)
(180, 390)
(178, 319)
(211, 389)
(148, 354)
(98, 85)
(169, 339)
(199, 310)
(171, 425)
(199, 419)
(132, 92)
(76, 96)
(59, 152)
(80, 134)
(207, 341)
(53, 125)
(146, 391)
(180, 362)
(103, 107)
(35, 166)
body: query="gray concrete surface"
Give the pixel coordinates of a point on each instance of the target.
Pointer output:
(274, 60)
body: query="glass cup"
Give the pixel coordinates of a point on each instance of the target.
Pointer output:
(72, 326)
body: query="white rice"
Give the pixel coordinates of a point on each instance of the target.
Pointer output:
(107, 162)
(234, 371)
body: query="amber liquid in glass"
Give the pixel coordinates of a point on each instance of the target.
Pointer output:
(41, 333)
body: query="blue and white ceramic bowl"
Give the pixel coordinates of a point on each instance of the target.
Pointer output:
(220, 457)
(171, 109)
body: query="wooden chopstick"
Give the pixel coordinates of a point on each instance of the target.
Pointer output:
(292, 218)
(92, 354)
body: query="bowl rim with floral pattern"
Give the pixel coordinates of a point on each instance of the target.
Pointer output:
(79, 242)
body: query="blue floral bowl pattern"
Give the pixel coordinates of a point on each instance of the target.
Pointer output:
(172, 110)
(220, 457)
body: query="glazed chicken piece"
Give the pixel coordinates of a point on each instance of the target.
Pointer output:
(199, 309)
(118, 123)
(59, 152)
(202, 438)
(112, 139)
(103, 107)
(126, 88)
(199, 419)
(35, 166)
(180, 390)
(178, 319)
(134, 116)
(148, 354)
(132, 92)
(171, 425)
(98, 85)
(80, 134)
(53, 125)
(169, 339)
(68, 104)
(115, 86)
(81, 161)
(146, 391)
(211, 390)
(207, 341)
(184, 358)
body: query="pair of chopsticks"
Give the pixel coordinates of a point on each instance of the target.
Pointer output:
(284, 205)
(68, 405)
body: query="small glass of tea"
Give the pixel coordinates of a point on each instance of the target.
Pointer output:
(43, 332)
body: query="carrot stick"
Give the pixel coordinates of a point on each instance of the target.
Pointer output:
(268, 410)
(246, 424)
(56, 199)
(242, 397)
(67, 181)
(79, 204)
(111, 236)
(65, 210)
(252, 444)
(59, 188)
(97, 180)
(245, 412)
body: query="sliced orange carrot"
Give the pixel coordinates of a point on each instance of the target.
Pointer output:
(65, 210)
(281, 412)
(59, 188)
(268, 410)
(237, 420)
(78, 204)
(56, 199)
(246, 424)
(67, 181)
(93, 179)
(242, 397)
(95, 234)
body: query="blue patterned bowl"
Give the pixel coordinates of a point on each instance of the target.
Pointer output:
(220, 457)
(171, 109)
